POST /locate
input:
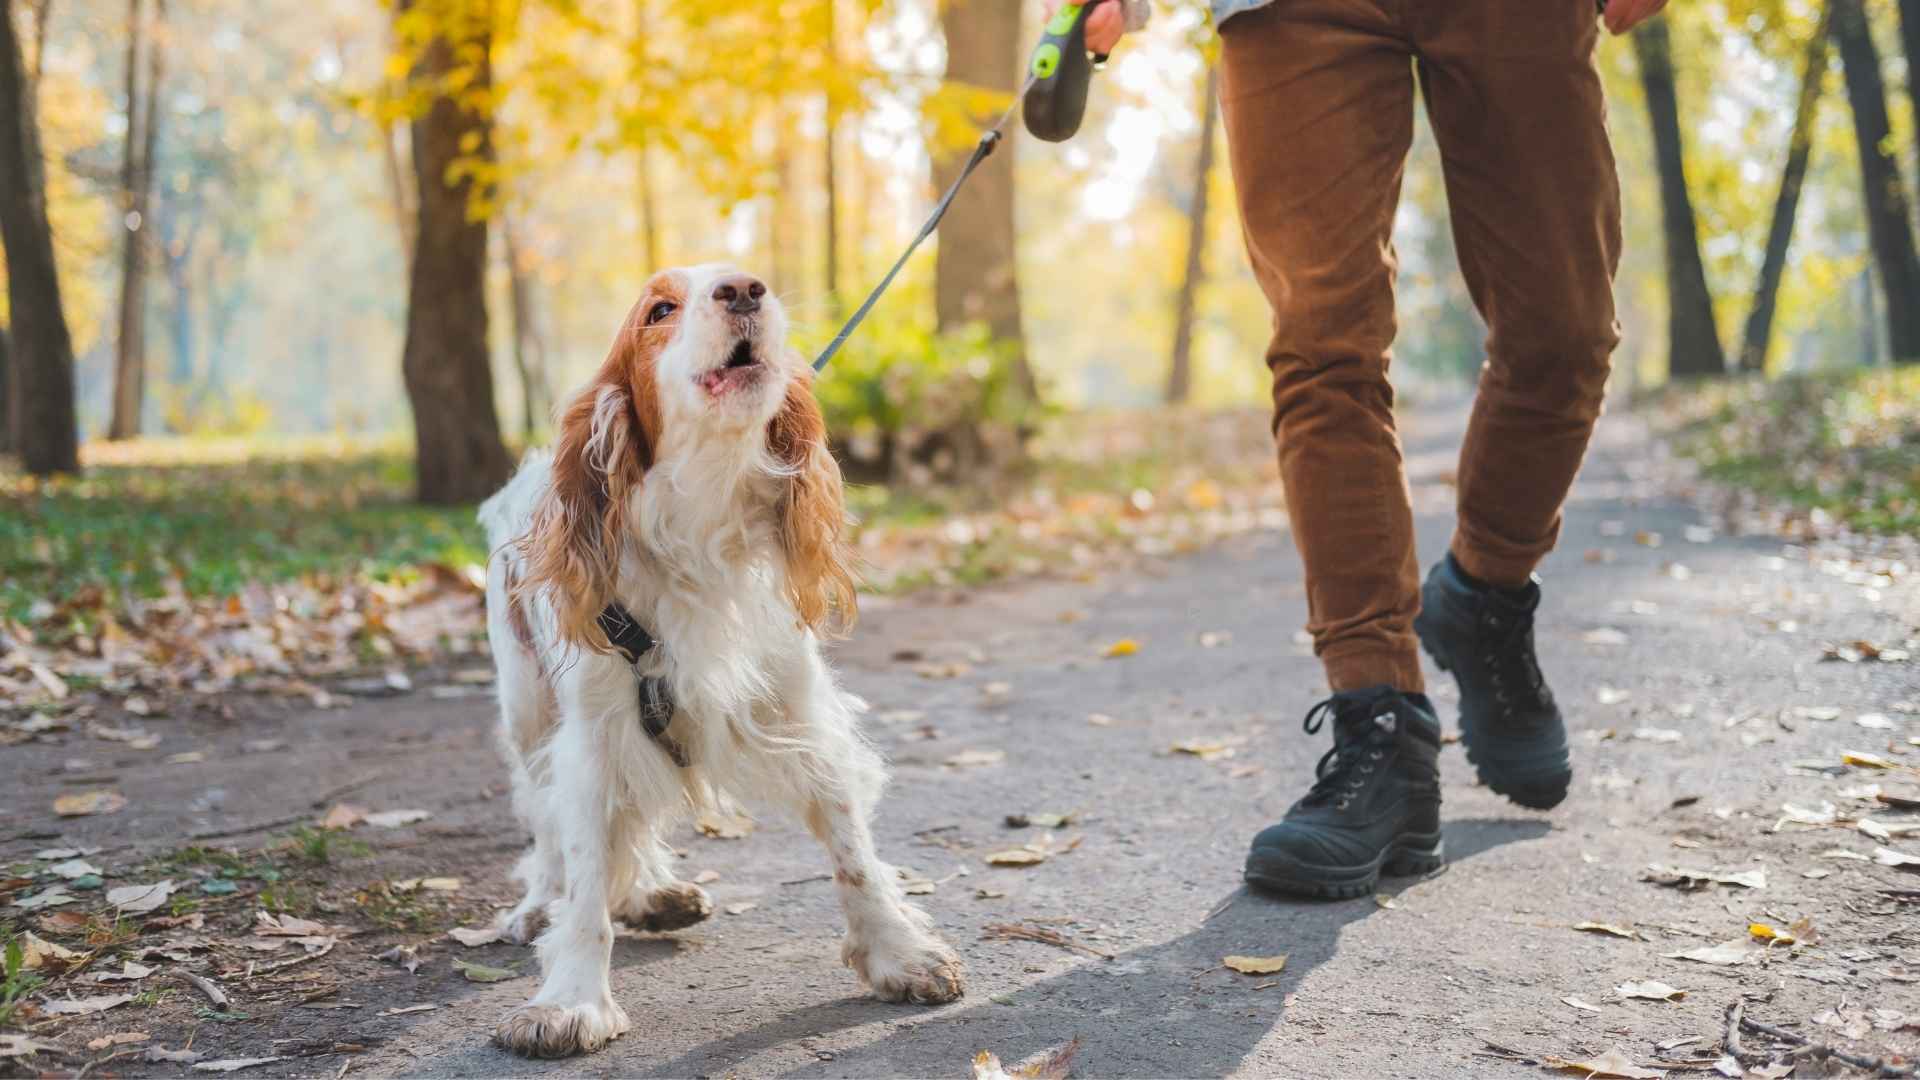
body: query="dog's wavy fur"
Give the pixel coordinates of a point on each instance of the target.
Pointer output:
(703, 499)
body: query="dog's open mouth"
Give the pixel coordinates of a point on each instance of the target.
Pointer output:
(741, 369)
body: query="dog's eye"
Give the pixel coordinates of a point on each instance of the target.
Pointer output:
(660, 311)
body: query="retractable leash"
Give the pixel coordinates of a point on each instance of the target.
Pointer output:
(1055, 100)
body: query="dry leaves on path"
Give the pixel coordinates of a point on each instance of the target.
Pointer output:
(1053, 1063)
(1257, 965)
(1726, 954)
(483, 973)
(1613, 1063)
(140, 899)
(1607, 928)
(1691, 880)
(1649, 990)
(89, 803)
(84, 1006)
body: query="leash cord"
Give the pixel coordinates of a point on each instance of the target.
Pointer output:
(989, 139)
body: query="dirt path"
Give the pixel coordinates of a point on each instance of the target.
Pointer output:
(1419, 983)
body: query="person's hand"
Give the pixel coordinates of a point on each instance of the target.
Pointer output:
(1622, 15)
(1105, 24)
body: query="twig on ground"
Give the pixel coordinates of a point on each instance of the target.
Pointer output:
(1730, 1041)
(809, 880)
(1879, 1066)
(1023, 932)
(242, 830)
(207, 987)
(82, 1071)
(351, 785)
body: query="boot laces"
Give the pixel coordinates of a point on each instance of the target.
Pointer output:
(1357, 751)
(1513, 668)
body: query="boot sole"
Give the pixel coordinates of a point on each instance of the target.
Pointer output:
(1535, 788)
(1408, 856)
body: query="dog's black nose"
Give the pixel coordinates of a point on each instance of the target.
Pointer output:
(740, 293)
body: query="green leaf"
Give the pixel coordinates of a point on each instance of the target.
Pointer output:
(482, 973)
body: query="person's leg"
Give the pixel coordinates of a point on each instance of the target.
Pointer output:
(1317, 97)
(1519, 115)
(1318, 101)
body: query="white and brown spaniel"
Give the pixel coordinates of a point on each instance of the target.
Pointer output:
(689, 484)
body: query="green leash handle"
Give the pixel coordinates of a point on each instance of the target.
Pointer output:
(1059, 74)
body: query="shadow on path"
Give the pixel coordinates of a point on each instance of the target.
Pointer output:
(1168, 1009)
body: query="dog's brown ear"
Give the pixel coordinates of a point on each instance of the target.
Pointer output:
(600, 455)
(813, 516)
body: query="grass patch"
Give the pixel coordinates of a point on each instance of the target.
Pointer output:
(16, 982)
(1846, 444)
(128, 529)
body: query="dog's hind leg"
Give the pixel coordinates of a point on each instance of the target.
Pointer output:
(834, 785)
(658, 902)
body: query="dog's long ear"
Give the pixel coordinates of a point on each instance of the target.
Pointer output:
(600, 455)
(813, 516)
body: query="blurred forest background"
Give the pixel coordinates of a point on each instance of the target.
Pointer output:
(340, 257)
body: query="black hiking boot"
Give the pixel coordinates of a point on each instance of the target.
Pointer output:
(1375, 804)
(1508, 720)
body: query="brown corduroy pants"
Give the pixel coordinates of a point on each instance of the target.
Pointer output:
(1318, 99)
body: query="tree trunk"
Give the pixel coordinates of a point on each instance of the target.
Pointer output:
(1693, 340)
(830, 171)
(1180, 370)
(975, 279)
(529, 353)
(1766, 291)
(6, 396)
(449, 379)
(42, 13)
(46, 429)
(1910, 44)
(1888, 230)
(136, 189)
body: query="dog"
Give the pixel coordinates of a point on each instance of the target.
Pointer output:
(690, 484)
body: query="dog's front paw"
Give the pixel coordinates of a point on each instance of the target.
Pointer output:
(553, 1031)
(674, 907)
(921, 970)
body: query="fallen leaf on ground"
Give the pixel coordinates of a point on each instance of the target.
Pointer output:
(482, 973)
(1576, 1003)
(269, 925)
(84, 1006)
(129, 972)
(406, 957)
(473, 938)
(1650, 990)
(1612, 1064)
(722, 826)
(1053, 1063)
(741, 908)
(1257, 965)
(1875, 721)
(21, 1046)
(394, 819)
(187, 757)
(62, 922)
(1016, 857)
(1204, 749)
(176, 1057)
(1656, 735)
(406, 1010)
(74, 868)
(1860, 759)
(228, 1065)
(967, 758)
(944, 671)
(1606, 928)
(1213, 639)
(342, 816)
(1099, 719)
(440, 884)
(706, 877)
(1126, 646)
(39, 954)
(51, 896)
(1824, 814)
(140, 899)
(1699, 879)
(1886, 856)
(124, 1038)
(1726, 954)
(1608, 695)
(1605, 635)
(86, 803)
